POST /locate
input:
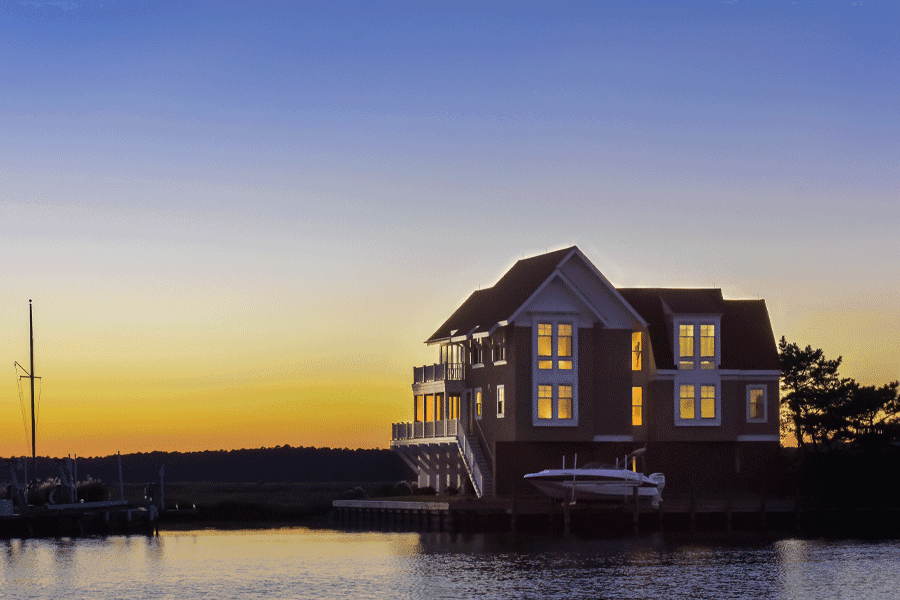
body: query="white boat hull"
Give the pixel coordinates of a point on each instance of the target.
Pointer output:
(598, 484)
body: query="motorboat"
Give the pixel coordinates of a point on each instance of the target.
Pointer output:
(599, 482)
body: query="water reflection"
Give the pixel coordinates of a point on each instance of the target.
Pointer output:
(321, 563)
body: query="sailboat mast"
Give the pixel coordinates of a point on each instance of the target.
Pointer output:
(31, 376)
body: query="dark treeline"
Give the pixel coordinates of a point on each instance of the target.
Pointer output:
(262, 465)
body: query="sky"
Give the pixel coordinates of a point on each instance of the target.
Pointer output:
(239, 221)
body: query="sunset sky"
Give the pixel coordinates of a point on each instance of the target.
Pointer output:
(239, 220)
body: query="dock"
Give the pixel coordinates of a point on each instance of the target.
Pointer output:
(542, 515)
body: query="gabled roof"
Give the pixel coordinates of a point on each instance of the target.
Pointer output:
(746, 332)
(487, 307)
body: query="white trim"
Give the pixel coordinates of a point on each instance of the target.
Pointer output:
(476, 404)
(600, 316)
(602, 278)
(555, 376)
(477, 366)
(765, 402)
(613, 438)
(547, 282)
(698, 400)
(498, 363)
(759, 438)
(501, 407)
(747, 374)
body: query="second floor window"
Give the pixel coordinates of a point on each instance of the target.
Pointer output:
(562, 358)
(685, 346)
(636, 351)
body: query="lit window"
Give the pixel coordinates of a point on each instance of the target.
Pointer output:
(500, 401)
(756, 403)
(453, 407)
(419, 409)
(707, 402)
(637, 406)
(565, 402)
(564, 345)
(545, 345)
(429, 407)
(636, 351)
(478, 403)
(545, 402)
(686, 346)
(687, 402)
(707, 346)
(438, 407)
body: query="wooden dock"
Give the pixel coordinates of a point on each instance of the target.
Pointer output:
(542, 515)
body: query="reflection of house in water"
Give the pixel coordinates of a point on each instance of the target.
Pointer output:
(554, 360)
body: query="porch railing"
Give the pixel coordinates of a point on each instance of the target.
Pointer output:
(429, 429)
(439, 372)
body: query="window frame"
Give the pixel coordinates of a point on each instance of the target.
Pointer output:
(478, 403)
(765, 402)
(698, 420)
(554, 376)
(501, 401)
(637, 403)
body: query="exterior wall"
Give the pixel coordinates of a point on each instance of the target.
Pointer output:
(609, 367)
(660, 414)
(713, 466)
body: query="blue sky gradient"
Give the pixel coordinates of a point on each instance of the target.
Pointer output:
(212, 200)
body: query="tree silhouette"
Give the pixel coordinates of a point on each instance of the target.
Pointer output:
(813, 395)
(820, 407)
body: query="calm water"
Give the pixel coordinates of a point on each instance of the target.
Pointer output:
(308, 563)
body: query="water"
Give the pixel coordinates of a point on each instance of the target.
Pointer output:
(310, 563)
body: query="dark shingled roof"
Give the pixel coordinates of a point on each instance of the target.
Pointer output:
(746, 332)
(746, 335)
(487, 307)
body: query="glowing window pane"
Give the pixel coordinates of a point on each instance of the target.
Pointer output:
(545, 339)
(707, 341)
(565, 402)
(686, 364)
(564, 340)
(687, 402)
(438, 407)
(429, 407)
(707, 364)
(545, 402)
(686, 341)
(500, 403)
(545, 364)
(708, 401)
(637, 405)
(636, 351)
(565, 364)
(757, 397)
(478, 403)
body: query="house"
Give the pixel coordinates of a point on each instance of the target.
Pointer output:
(553, 360)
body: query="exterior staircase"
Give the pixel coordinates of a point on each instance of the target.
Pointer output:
(477, 465)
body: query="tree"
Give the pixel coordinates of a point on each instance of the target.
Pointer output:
(818, 406)
(813, 395)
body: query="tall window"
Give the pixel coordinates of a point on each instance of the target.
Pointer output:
(478, 403)
(555, 356)
(545, 401)
(637, 406)
(689, 409)
(555, 406)
(636, 351)
(707, 402)
(707, 346)
(453, 407)
(501, 404)
(564, 345)
(756, 403)
(687, 401)
(545, 345)
(686, 346)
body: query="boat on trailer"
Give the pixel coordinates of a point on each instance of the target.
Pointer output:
(599, 482)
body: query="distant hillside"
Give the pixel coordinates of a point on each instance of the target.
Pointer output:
(266, 465)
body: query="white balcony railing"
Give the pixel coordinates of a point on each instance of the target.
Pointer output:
(429, 429)
(439, 372)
